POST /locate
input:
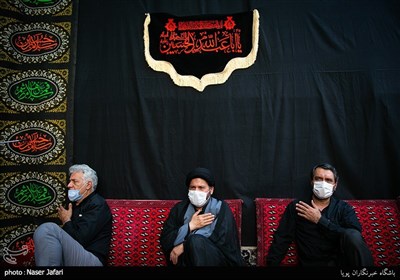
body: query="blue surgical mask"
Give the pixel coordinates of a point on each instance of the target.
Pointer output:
(74, 195)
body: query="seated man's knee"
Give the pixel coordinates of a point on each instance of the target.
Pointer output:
(355, 249)
(194, 241)
(352, 233)
(352, 236)
(44, 229)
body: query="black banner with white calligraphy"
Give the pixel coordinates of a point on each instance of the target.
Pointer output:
(198, 51)
(37, 65)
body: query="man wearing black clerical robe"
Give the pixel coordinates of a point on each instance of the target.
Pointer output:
(201, 230)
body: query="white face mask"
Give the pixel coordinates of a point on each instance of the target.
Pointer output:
(198, 198)
(322, 189)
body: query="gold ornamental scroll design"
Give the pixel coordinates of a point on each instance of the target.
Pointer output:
(17, 247)
(207, 79)
(39, 8)
(35, 42)
(33, 91)
(32, 142)
(34, 194)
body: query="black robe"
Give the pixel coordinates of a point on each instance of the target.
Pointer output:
(224, 236)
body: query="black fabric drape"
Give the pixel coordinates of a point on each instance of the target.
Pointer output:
(325, 88)
(37, 77)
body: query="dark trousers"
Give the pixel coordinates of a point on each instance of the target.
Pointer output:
(354, 249)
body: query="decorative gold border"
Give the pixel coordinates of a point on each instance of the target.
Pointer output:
(57, 187)
(46, 126)
(45, 105)
(208, 79)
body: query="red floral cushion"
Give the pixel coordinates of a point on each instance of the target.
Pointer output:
(268, 214)
(380, 220)
(137, 226)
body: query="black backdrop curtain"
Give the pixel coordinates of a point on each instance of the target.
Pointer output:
(325, 87)
(37, 63)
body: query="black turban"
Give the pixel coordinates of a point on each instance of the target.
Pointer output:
(200, 172)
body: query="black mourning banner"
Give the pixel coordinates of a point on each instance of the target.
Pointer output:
(197, 51)
(37, 75)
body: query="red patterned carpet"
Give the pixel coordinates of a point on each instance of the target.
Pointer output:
(380, 220)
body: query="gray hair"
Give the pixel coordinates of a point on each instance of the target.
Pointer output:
(89, 175)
